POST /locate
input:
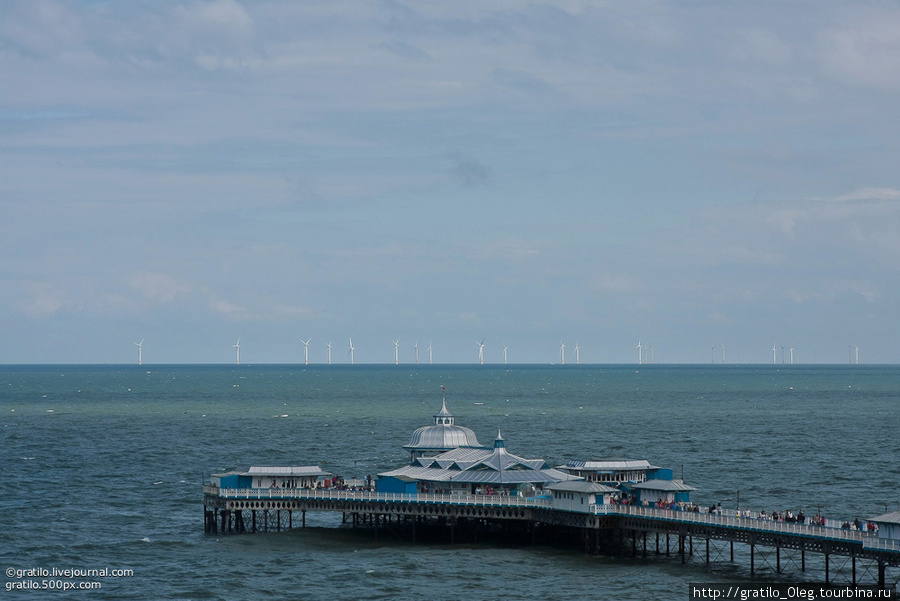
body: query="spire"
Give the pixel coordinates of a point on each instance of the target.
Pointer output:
(443, 417)
(499, 443)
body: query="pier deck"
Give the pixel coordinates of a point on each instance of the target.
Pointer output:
(251, 510)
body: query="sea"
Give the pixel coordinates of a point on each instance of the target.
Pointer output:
(103, 469)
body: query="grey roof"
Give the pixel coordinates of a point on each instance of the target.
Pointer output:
(442, 436)
(582, 486)
(604, 465)
(666, 485)
(888, 518)
(291, 470)
(480, 466)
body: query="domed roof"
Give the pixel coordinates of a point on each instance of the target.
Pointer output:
(444, 435)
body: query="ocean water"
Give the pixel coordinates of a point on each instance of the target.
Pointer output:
(103, 467)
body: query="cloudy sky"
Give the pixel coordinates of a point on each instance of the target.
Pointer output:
(683, 174)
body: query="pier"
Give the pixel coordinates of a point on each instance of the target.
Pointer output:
(846, 557)
(458, 490)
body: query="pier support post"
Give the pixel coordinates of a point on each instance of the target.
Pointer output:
(732, 551)
(803, 558)
(303, 514)
(645, 544)
(827, 579)
(881, 574)
(853, 563)
(752, 559)
(707, 551)
(778, 558)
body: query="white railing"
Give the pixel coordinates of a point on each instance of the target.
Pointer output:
(309, 494)
(868, 539)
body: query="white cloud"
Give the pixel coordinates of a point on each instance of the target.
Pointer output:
(864, 50)
(158, 287)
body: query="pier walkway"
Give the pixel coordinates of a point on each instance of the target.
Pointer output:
(253, 510)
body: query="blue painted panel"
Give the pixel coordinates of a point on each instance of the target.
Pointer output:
(662, 473)
(230, 481)
(394, 485)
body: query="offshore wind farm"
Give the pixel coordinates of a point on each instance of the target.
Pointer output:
(645, 355)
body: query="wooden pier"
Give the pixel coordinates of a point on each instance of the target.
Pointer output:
(843, 557)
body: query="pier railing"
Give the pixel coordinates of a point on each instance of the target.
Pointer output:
(868, 539)
(310, 494)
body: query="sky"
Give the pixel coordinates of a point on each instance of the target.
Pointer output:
(686, 176)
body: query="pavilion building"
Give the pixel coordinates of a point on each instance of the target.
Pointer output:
(472, 470)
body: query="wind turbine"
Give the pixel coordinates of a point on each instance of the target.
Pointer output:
(577, 355)
(351, 351)
(237, 347)
(792, 355)
(329, 353)
(640, 349)
(562, 352)
(505, 349)
(306, 350)
(416, 346)
(397, 352)
(857, 355)
(480, 350)
(429, 349)
(782, 354)
(140, 346)
(774, 354)
(723, 352)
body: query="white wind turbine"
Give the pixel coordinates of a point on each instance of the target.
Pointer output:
(505, 350)
(480, 350)
(351, 351)
(237, 347)
(774, 354)
(640, 349)
(329, 353)
(577, 355)
(416, 346)
(792, 355)
(562, 352)
(857, 355)
(306, 350)
(140, 346)
(429, 349)
(397, 352)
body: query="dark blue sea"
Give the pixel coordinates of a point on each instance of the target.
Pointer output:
(103, 468)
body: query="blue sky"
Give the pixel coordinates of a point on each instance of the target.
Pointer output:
(684, 174)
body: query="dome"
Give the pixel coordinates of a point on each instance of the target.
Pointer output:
(444, 435)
